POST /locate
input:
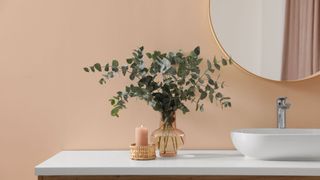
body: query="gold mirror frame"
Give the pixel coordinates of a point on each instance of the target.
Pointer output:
(238, 65)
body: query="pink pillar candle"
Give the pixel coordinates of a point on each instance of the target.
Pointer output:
(141, 136)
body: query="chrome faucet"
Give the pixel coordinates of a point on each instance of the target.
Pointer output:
(282, 106)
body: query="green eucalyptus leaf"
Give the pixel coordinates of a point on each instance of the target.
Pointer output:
(184, 108)
(129, 61)
(197, 50)
(209, 64)
(86, 69)
(222, 84)
(208, 88)
(211, 97)
(112, 101)
(216, 63)
(182, 70)
(192, 81)
(115, 69)
(115, 63)
(109, 75)
(124, 70)
(115, 111)
(97, 66)
(203, 95)
(194, 76)
(226, 104)
(218, 95)
(119, 93)
(229, 104)
(132, 76)
(201, 108)
(149, 55)
(224, 62)
(211, 82)
(225, 98)
(230, 62)
(128, 89)
(106, 67)
(102, 81)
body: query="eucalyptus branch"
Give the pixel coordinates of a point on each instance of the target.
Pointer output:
(169, 81)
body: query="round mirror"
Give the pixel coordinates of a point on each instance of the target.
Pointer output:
(274, 39)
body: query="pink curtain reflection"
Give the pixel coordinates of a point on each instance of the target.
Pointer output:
(301, 39)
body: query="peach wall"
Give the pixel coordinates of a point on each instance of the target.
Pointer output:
(47, 103)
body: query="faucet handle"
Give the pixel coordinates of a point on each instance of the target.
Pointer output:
(282, 102)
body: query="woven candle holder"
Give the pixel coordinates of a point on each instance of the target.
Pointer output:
(143, 152)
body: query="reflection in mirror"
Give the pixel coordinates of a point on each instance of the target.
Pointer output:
(274, 39)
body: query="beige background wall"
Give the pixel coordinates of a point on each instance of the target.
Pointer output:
(47, 103)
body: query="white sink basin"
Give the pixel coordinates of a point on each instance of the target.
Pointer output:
(278, 144)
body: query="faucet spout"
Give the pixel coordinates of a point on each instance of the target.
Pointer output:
(282, 106)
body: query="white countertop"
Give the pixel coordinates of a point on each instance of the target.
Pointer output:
(188, 162)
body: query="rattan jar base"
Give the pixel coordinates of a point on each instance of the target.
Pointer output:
(143, 152)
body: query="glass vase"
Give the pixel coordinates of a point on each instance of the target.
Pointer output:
(167, 138)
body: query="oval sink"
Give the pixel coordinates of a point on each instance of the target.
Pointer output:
(278, 144)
